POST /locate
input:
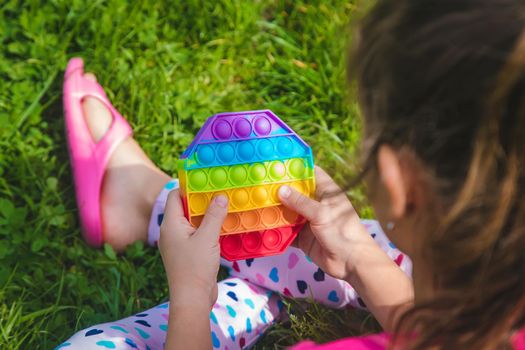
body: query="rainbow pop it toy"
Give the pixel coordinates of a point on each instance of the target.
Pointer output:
(247, 156)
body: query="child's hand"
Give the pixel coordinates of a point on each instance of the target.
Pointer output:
(337, 242)
(334, 234)
(191, 256)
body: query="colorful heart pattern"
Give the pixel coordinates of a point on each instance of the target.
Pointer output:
(240, 315)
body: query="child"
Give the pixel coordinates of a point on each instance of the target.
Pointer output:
(247, 302)
(442, 89)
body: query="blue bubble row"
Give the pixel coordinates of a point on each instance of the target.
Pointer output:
(247, 151)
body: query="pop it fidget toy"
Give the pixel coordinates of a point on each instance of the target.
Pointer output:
(247, 156)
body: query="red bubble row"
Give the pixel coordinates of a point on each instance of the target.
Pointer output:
(258, 243)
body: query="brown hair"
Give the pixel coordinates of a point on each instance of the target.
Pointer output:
(446, 78)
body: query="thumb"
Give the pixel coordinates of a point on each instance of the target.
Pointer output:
(305, 206)
(214, 217)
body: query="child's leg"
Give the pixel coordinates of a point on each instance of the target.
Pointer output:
(131, 180)
(295, 275)
(242, 313)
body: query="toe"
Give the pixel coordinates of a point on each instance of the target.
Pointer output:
(90, 76)
(98, 117)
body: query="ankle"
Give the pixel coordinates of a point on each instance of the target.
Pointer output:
(156, 182)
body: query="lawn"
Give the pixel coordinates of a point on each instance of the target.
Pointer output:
(167, 66)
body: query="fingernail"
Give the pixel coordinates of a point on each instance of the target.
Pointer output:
(221, 201)
(284, 192)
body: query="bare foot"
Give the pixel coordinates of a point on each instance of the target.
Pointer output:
(131, 182)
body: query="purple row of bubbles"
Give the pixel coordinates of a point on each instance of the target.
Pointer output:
(270, 121)
(240, 127)
(263, 149)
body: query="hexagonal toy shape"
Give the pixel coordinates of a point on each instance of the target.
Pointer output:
(247, 156)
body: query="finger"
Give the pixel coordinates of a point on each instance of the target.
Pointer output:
(303, 205)
(174, 213)
(210, 227)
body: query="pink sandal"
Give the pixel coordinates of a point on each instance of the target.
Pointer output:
(89, 158)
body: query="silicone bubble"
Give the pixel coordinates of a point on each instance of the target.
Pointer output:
(238, 175)
(251, 241)
(250, 219)
(205, 154)
(198, 202)
(270, 216)
(265, 148)
(226, 152)
(245, 150)
(259, 196)
(296, 168)
(218, 177)
(242, 127)
(257, 172)
(198, 179)
(231, 244)
(277, 170)
(232, 222)
(222, 129)
(289, 215)
(262, 126)
(285, 146)
(240, 198)
(271, 238)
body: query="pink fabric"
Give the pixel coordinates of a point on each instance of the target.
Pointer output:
(518, 340)
(380, 342)
(371, 342)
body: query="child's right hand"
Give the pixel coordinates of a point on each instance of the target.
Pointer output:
(338, 243)
(334, 233)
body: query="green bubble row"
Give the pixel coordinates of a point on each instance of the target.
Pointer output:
(224, 177)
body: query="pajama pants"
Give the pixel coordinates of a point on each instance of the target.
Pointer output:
(249, 300)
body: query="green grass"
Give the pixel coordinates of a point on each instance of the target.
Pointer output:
(167, 66)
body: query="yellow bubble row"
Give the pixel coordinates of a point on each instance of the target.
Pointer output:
(255, 220)
(246, 198)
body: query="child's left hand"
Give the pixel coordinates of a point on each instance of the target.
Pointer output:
(191, 256)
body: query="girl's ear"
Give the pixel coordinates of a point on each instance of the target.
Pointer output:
(391, 175)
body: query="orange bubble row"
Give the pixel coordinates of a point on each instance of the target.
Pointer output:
(254, 220)
(247, 198)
